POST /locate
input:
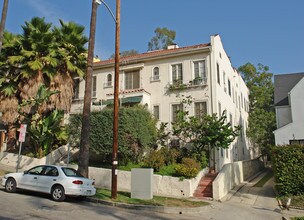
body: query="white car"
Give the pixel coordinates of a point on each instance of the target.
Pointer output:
(55, 180)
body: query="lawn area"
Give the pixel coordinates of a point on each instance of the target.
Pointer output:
(125, 197)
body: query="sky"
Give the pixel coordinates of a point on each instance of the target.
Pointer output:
(270, 32)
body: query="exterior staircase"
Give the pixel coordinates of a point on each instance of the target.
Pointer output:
(204, 188)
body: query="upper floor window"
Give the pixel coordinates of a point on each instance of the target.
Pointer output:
(224, 81)
(156, 111)
(177, 73)
(229, 87)
(199, 71)
(175, 109)
(219, 109)
(109, 82)
(218, 74)
(155, 74)
(94, 86)
(132, 79)
(200, 108)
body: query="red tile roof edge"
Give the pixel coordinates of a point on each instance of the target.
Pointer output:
(152, 54)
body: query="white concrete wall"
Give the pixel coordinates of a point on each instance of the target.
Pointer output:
(233, 174)
(162, 185)
(295, 129)
(10, 159)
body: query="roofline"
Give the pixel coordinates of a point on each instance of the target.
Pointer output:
(153, 55)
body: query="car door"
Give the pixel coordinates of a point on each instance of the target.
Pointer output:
(47, 179)
(29, 179)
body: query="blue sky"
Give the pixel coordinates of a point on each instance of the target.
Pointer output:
(270, 32)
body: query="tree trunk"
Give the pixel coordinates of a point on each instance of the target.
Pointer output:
(83, 163)
(11, 138)
(3, 20)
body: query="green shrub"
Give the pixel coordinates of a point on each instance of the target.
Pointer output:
(155, 159)
(137, 133)
(169, 170)
(288, 163)
(170, 155)
(188, 169)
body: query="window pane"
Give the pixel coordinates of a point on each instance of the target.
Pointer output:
(156, 111)
(200, 108)
(175, 109)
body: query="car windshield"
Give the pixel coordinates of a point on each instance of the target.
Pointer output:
(71, 172)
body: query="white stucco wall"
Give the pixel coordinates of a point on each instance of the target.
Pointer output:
(233, 174)
(295, 129)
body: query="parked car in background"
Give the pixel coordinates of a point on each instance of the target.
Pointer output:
(57, 181)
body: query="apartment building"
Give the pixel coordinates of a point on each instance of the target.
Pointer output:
(158, 79)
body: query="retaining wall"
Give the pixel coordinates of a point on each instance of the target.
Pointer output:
(233, 174)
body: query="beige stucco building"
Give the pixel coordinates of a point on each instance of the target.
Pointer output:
(159, 78)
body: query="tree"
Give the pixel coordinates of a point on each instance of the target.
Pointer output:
(261, 122)
(3, 20)
(125, 53)
(162, 39)
(205, 132)
(41, 55)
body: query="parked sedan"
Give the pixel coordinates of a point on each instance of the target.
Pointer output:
(55, 180)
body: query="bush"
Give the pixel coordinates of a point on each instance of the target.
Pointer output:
(189, 168)
(170, 155)
(137, 133)
(288, 163)
(155, 159)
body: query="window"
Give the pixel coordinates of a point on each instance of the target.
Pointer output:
(218, 74)
(132, 79)
(109, 81)
(200, 108)
(231, 122)
(294, 141)
(219, 109)
(94, 81)
(199, 71)
(76, 88)
(155, 75)
(156, 111)
(177, 73)
(229, 87)
(175, 109)
(224, 82)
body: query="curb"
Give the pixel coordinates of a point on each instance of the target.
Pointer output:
(161, 209)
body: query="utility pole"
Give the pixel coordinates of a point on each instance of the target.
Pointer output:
(116, 104)
(83, 163)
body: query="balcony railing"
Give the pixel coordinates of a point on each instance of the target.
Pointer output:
(184, 84)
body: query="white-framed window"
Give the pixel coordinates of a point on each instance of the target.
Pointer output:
(94, 86)
(177, 73)
(224, 81)
(200, 108)
(156, 111)
(155, 74)
(199, 68)
(219, 109)
(109, 82)
(175, 109)
(132, 79)
(218, 74)
(229, 87)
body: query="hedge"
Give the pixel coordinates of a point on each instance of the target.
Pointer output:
(288, 166)
(136, 133)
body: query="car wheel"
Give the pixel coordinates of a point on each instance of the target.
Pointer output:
(10, 185)
(58, 193)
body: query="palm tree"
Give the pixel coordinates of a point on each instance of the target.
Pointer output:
(3, 20)
(70, 41)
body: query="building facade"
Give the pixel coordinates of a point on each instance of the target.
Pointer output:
(158, 79)
(289, 106)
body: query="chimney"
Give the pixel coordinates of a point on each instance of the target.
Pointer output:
(172, 46)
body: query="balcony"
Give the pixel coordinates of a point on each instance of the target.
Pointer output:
(183, 84)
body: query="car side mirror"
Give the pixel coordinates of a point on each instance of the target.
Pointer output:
(25, 172)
